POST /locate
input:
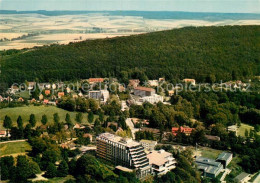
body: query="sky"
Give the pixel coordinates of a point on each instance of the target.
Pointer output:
(226, 6)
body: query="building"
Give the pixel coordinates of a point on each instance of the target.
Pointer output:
(88, 135)
(242, 178)
(60, 94)
(190, 81)
(185, 130)
(133, 83)
(161, 162)
(101, 95)
(47, 92)
(209, 167)
(148, 145)
(31, 85)
(225, 158)
(153, 82)
(41, 97)
(152, 99)
(3, 133)
(233, 128)
(124, 152)
(212, 138)
(95, 80)
(144, 91)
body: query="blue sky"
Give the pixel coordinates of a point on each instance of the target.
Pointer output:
(228, 6)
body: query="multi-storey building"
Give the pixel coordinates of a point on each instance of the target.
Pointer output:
(123, 151)
(102, 95)
(161, 162)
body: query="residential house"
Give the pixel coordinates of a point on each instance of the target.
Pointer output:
(60, 94)
(31, 85)
(242, 178)
(41, 97)
(225, 158)
(153, 99)
(45, 101)
(88, 135)
(47, 92)
(20, 99)
(209, 167)
(133, 83)
(161, 79)
(14, 89)
(101, 95)
(3, 133)
(1, 99)
(53, 86)
(95, 80)
(233, 128)
(78, 126)
(161, 162)
(68, 90)
(185, 130)
(153, 82)
(212, 138)
(148, 145)
(190, 81)
(144, 91)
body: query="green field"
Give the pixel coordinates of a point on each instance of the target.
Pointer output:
(14, 148)
(209, 153)
(242, 129)
(38, 111)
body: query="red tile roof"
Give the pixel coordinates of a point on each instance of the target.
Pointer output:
(96, 80)
(185, 130)
(144, 89)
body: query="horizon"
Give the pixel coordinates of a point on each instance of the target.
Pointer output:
(200, 6)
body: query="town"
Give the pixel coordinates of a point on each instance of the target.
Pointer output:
(145, 130)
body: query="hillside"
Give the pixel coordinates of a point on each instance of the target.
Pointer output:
(204, 53)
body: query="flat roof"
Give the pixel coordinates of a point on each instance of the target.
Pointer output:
(241, 176)
(207, 161)
(158, 157)
(124, 141)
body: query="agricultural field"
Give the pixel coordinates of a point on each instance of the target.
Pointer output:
(14, 148)
(25, 112)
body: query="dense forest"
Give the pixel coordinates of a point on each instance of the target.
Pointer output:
(222, 53)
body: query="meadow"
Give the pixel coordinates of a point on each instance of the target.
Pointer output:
(14, 148)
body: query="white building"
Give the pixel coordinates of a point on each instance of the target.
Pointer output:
(161, 162)
(101, 95)
(148, 144)
(153, 82)
(143, 91)
(152, 99)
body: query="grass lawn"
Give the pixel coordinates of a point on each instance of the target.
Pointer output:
(242, 129)
(60, 179)
(14, 148)
(209, 153)
(38, 111)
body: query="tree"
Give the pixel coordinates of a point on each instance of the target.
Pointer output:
(20, 123)
(56, 118)
(63, 169)
(32, 120)
(79, 117)
(7, 123)
(90, 117)
(51, 171)
(44, 119)
(68, 120)
(22, 171)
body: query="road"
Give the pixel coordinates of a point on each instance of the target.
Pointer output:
(131, 126)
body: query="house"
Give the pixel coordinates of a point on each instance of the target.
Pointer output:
(20, 99)
(124, 106)
(148, 145)
(142, 121)
(242, 178)
(161, 162)
(88, 135)
(101, 95)
(144, 91)
(225, 158)
(190, 81)
(171, 92)
(209, 167)
(161, 79)
(1, 99)
(14, 89)
(52, 103)
(47, 92)
(54, 86)
(45, 101)
(233, 128)
(78, 126)
(133, 83)
(41, 97)
(68, 90)
(95, 80)
(212, 138)
(121, 88)
(153, 82)
(31, 85)
(60, 94)
(80, 94)
(185, 130)
(153, 99)
(3, 133)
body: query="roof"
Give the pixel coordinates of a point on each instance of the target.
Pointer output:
(182, 129)
(241, 176)
(207, 161)
(144, 89)
(211, 137)
(96, 80)
(189, 80)
(124, 169)
(224, 156)
(2, 132)
(158, 157)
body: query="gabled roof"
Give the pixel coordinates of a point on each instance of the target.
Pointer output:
(224, 156)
